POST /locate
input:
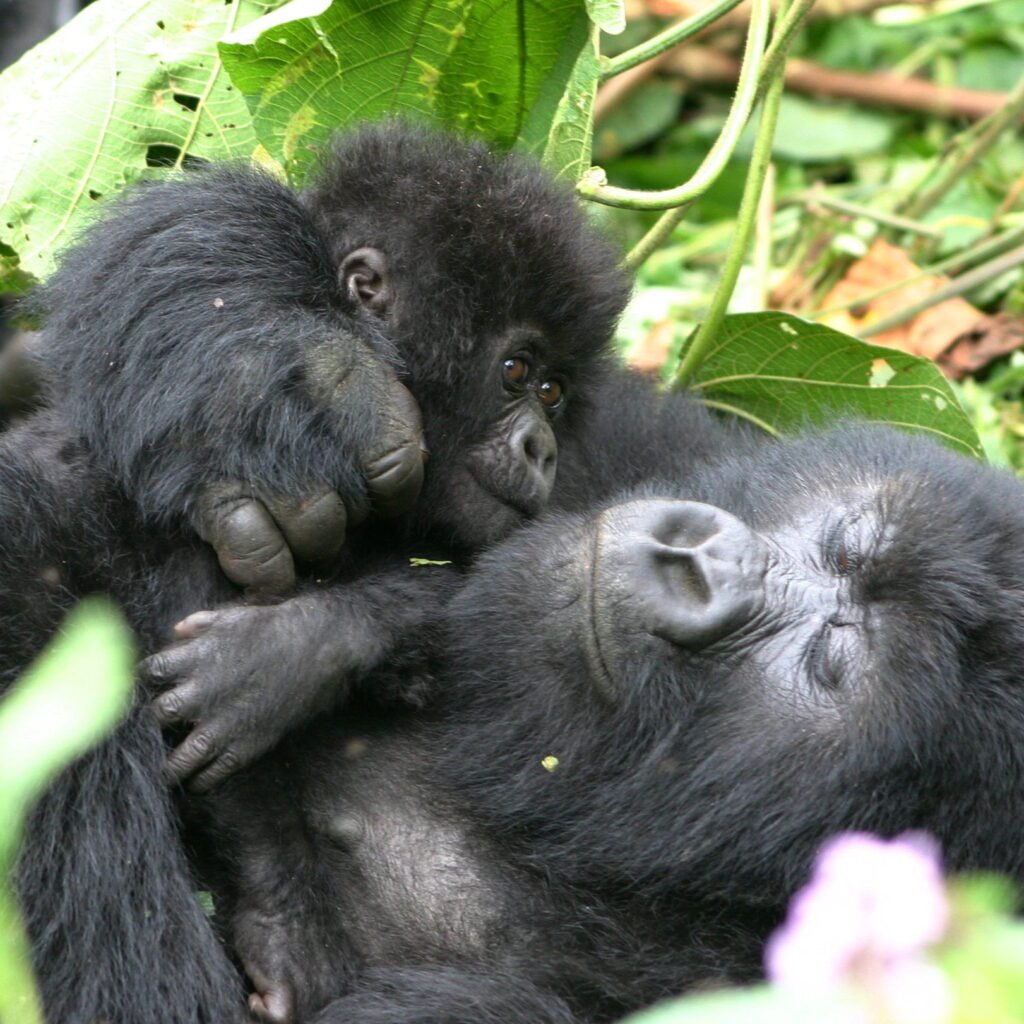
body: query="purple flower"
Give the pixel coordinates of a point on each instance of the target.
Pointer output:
(871, 910)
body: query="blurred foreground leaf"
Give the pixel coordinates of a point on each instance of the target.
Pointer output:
(479, 67)
(125, 86)
(755, 1005)
(784, 373)
(68, 700)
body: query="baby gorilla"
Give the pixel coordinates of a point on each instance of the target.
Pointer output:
(653, 714)
(220, 341)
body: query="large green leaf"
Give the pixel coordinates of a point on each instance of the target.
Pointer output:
(560, 129)
(783, 373)
(476, 66)
(125, 86)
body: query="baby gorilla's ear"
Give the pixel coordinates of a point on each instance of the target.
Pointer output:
(365, 278)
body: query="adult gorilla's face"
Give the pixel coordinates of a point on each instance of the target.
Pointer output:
(827, 636)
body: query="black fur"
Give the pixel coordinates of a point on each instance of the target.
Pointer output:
(199, 333)
(439, 870)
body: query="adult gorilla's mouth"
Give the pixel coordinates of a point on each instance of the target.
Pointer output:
(593, 651)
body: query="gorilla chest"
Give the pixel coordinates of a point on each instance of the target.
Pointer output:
(417, 881)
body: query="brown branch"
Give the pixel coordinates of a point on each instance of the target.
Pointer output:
(739, 17)
(710, 67)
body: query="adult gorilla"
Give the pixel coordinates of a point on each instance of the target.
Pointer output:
(654, 713)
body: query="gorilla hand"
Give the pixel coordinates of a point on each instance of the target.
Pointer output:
(244, 676)
(257, 537)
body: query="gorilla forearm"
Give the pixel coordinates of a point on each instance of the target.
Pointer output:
(198, 338)
(245, 676)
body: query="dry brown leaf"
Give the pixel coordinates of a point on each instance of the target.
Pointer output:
(651, 353)
(1003, 333)
(933, 333)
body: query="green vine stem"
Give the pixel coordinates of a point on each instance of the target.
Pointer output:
(817, 197)
(790, 21)
(592, 185)
(674, 34)
(966, 150)
(706, 334)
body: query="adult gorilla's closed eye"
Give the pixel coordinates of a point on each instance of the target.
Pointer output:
(217, 343)
(653, 716)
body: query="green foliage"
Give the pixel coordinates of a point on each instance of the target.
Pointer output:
(126, 86)
(66, 702)
(608, 15)
(812, 132)
(756, 1005)
(559, 131)
(644, 115)
(483, 67)
(783, 373)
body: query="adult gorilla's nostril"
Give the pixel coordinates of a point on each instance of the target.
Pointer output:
(684, 571)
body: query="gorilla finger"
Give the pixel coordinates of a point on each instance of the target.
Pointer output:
(395, 477)
(250, 547)
(194, 625)
(167, 665)
(182, 704)
(193, 754)
(314, 528)
(273, 1005)
(222, 768)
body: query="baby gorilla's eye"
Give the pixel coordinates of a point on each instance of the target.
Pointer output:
(551, 393)
(515, 370)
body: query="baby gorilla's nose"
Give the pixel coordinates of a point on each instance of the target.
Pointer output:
(684, 571)
(533, 448)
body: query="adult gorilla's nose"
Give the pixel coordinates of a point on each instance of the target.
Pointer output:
(684, 571)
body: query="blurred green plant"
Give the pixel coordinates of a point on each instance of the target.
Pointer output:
(66, 702)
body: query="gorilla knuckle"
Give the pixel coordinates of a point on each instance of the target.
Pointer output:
(170, 707)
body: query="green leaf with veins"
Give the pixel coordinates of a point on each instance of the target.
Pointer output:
(784, 373)
(125, 86)
(608, 15)
(560, 129)
(479, 67)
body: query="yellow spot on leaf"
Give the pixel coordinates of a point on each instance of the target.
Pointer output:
(881, 373)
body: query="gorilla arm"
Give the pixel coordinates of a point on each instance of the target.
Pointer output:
(196, 329)
(243, 677)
